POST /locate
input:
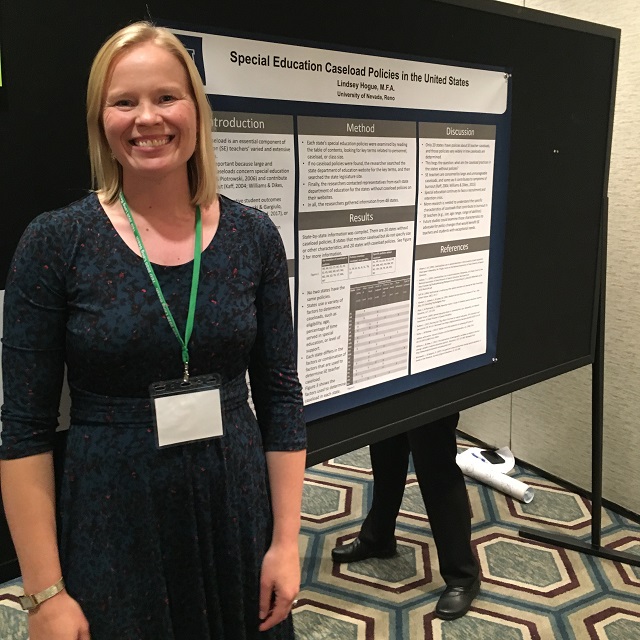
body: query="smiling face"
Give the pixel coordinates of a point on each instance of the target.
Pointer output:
(149, 116)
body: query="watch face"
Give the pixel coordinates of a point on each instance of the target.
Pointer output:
(26, 602)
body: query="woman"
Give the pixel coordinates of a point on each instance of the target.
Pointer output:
(167, 529)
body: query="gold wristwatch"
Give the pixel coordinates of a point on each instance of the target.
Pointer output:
(28, 603)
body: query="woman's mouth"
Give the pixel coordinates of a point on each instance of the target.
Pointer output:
(151, 142)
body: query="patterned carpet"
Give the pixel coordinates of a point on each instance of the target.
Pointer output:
(530, 591)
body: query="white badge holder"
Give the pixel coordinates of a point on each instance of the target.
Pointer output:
(187, 411)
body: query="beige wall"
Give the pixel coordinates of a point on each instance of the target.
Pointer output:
(549, 424)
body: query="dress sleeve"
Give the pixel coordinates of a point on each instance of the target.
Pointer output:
(275, 388)
(35, 313)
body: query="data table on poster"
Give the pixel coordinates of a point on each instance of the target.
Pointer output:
(379, 324)
(362, 264)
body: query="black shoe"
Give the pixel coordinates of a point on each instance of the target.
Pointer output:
(456, 601)
(359, 550)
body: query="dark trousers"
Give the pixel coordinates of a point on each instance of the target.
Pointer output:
(433, 448)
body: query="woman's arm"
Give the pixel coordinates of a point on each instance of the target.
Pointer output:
(35, 313)
(29, 502)
(280, 579)
(277, 397)
(32, 372)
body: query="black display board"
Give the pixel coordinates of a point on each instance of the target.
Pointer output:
(562, 108)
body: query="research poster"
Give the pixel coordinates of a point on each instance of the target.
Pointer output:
(386, 178)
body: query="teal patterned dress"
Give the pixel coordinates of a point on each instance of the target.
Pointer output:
(155, 544)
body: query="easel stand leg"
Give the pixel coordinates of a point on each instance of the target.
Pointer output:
(597, 439)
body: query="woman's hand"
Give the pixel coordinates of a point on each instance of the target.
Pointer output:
(279, 584)
(59, 618)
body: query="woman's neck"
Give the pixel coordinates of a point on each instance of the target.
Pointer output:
(165, 219)
(165, 198)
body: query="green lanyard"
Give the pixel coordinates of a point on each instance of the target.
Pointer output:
(194, 283)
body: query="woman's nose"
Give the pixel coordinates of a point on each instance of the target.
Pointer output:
(148, 114)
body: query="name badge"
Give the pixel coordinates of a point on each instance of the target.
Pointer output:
(187, 411)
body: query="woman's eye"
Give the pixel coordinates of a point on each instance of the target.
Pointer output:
(123, 102)
(167, 98)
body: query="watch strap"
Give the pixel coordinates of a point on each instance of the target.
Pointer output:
(29, 602)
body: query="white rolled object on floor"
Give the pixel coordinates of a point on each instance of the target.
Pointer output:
(475, 466)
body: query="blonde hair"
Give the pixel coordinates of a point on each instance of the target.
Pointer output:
(106, 171)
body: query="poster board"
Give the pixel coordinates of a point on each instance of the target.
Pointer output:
(378, 172)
